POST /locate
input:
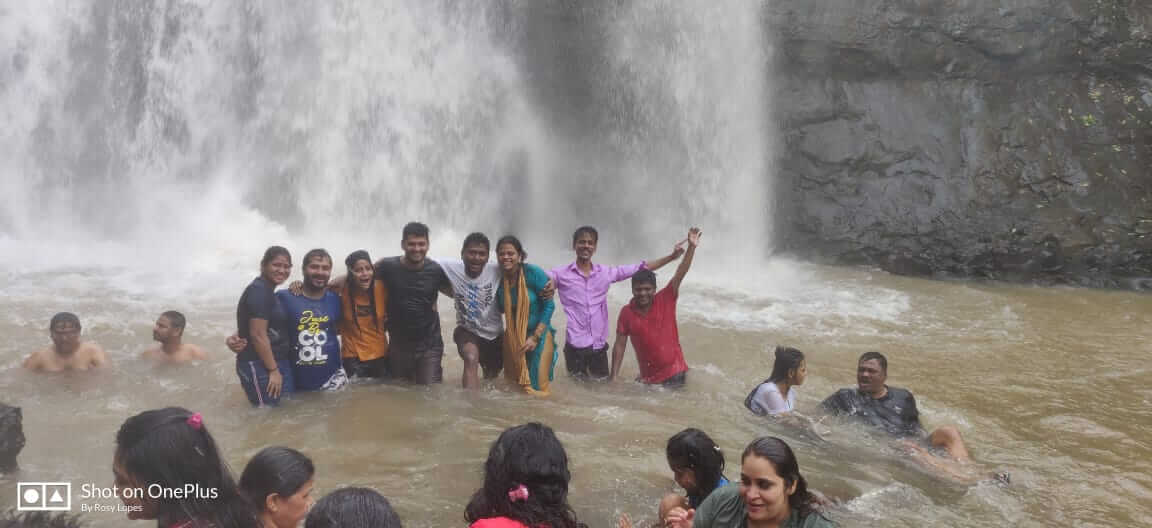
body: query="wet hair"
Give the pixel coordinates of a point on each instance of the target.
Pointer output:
(475, 239)
(160, 448)
(279, 470)
(532, 456)
(878, 357)
(350, 292)
(273, 252)
(414, 229)
(694, 449)
(352, 508)
(585, 229)
(64, 317)
(316, 253)
(515, 242)
(12, 518)
(644, 276)
(175, 318)
(787, 359)
(787, 467)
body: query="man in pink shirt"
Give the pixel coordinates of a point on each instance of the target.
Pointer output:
(583, 290)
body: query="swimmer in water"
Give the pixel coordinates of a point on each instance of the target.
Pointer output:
(67, 351)
(169, 332)
(894, 411)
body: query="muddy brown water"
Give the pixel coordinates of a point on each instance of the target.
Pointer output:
(1051, 384)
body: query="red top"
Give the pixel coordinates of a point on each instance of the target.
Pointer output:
(655, 337)
(497, 522)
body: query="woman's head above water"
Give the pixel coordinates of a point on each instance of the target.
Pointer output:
(770, 481)
(171, 463)
(278, 481)
(525, 479)
(789, 366)
(696, 462)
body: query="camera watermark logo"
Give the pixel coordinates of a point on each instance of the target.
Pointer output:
(44, 496)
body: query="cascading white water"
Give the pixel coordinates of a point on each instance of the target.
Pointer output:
(215, 128)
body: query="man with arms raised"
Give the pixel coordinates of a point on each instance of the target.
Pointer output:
(416, 350)
(67, 351)
(169, 332)
(583, 289)
(651, 321)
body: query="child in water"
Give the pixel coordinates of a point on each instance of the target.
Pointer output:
(697, 465)
(173, 467)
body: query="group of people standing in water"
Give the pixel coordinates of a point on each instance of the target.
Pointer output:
(385, 315)
(380, 320)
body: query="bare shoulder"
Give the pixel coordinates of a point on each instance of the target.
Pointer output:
(94, 353)
(196, 352)
(35, 360)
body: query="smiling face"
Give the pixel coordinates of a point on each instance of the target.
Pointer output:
(585, 246)
(642, 294)
(277, 270)
(870, 377)
(764, 492)
(362, 274)
(415, 248)
(287, 512)
(508, 257)
(475, 257)
(317, 271)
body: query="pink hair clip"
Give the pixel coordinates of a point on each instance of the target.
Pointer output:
(517, 494)
(196, 421)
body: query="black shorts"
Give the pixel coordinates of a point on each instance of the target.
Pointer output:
(587, 362)
(372, 368)
(417, 360)
(490, 351)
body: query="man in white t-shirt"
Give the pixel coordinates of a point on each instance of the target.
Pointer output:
(479, 326)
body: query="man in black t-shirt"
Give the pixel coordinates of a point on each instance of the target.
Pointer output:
(416, 349)
(889, 408)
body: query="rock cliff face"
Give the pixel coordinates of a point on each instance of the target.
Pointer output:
(1008, 140)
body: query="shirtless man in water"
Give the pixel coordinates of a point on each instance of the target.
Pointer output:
(169, 332)
(66, 352)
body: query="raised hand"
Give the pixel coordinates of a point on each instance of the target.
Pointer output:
(694, 236)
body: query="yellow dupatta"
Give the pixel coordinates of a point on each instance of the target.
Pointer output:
(516, 333)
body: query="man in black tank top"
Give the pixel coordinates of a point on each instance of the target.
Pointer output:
(891, 409)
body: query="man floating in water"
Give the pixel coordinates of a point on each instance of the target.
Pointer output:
(583, 288)
(169, 332)
(894, 410)
(650, 319)
(67, 351)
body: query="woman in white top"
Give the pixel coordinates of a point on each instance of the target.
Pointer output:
(776, 396)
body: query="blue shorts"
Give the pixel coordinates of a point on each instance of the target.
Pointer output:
(254, 378)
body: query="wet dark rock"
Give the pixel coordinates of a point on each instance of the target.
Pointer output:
(968, 138)
(11, 437)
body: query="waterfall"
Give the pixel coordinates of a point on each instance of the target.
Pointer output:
(222, 127)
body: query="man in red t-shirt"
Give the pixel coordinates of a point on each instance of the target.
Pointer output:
(650, 320)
